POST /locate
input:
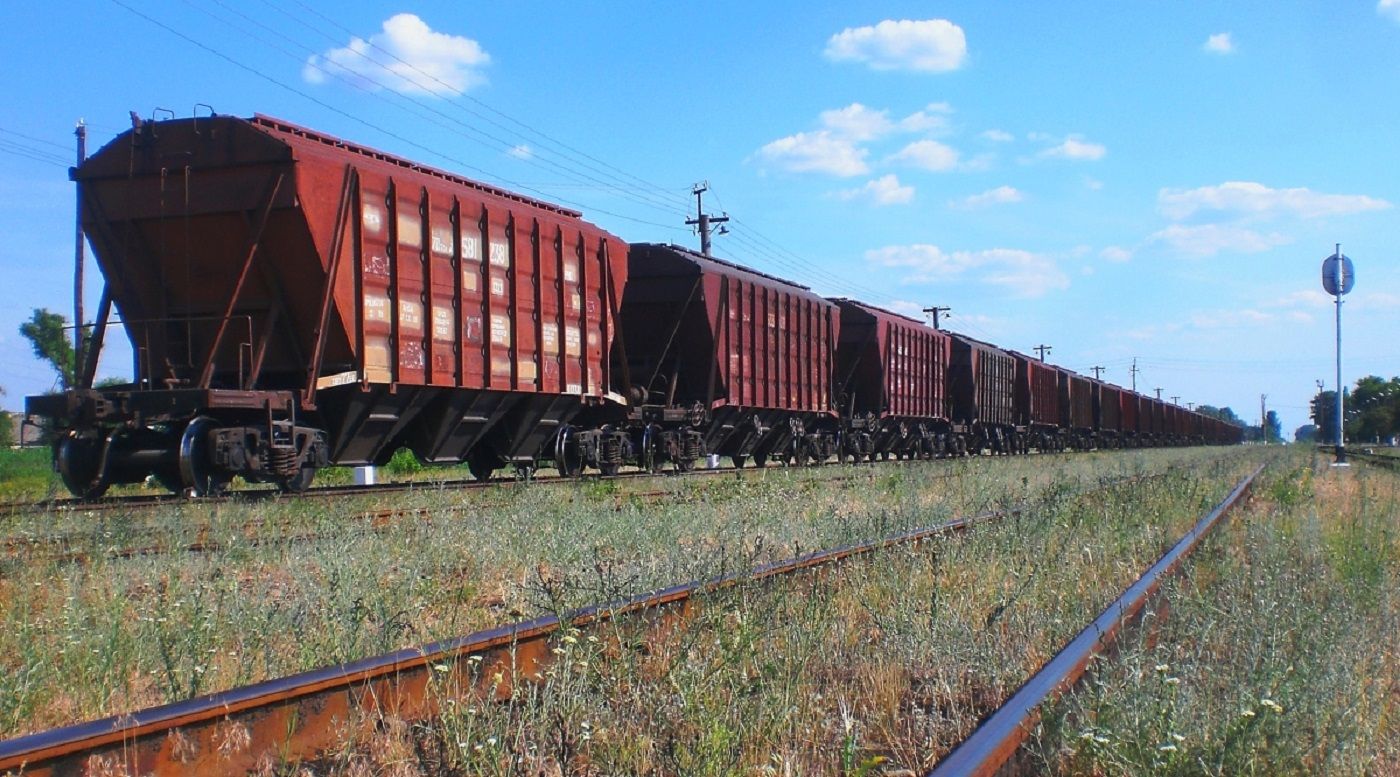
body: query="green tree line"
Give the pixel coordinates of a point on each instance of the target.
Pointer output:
(1371, 411)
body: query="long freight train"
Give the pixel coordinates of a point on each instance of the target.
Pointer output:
(295, 301)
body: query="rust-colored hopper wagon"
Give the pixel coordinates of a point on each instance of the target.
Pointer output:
(1108, 415)
(1038, 403)
(749, 355)
(982, 394)
(891, 384)
(294, 300)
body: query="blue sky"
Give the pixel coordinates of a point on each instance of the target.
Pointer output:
(1152, 181)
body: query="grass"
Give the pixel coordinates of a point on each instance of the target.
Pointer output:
(882, 667)
(1279, 655)
(79, 641)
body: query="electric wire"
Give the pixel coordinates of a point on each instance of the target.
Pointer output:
(422, 110)
(364, 122)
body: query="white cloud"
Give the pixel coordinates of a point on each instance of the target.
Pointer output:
(521, 151)
(1116, 254)
(857, 122)
(1210, 239)
(1389, 8)
(907, 308)
(885, 190)
(1220, 43)
(1077, 149)
(1022, 273)
(998, 136)
(1092, 184)
(816, 152)
(998, 196)
(408, 56)
(929, 155)
(1256, 199)
(931, 45)
(932, 119)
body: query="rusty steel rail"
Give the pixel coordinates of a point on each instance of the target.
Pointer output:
(997, 739)
(296, 717)
(67, 548)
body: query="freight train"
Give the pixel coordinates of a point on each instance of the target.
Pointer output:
(295, 301)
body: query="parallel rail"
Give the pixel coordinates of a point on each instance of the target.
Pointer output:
(992, 745)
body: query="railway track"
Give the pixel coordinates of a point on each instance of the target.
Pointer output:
(79, 548)
(994, 743)
(295, 718)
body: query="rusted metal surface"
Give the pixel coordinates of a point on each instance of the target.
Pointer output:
(890, 365)
(1108, 409)
(767, 342)
(996, 740)
(981, 383)
(296, 717)
(1037, 392)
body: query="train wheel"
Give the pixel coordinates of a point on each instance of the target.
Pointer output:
(760, 460)
(652, 458)
(197, 474)
(567, 457)
(78, 465)
(739, 460)
(299, 482)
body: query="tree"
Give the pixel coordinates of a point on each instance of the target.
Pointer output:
(1273, 428)
(1305, 433)
(46, 331)
(1324, 415)
(1372, 413)
(1223, 413)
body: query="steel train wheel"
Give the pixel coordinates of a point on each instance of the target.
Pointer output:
(567, 458)
(299, 482)
(197, 474)
(79, 466)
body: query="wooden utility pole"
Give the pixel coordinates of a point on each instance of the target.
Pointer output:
(1098, 372)
(1134, 371)
(1041, 350)
(703, 220)
(934, 312)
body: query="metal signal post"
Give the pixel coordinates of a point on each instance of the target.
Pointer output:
(1338, 278)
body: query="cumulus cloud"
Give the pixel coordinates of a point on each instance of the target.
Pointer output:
(1205, 240)
(1022, 273)
(1248, 198)
(521, 151)
(1075, 148)
(1220, 43)
(1389, 8)
(998, 136)
(1116, 254)
(839, 147)
(885, 190)
(816, 152)
(408, 57)
(931, 45)
(928, 155)
(857, 122)
(998, 196)
(932, 119)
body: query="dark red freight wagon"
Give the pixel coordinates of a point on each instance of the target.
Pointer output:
(1130, 401)
(1077, 408)
(1038, 402)
(295, 300)
(891, 383)
(982, 395)
(1108, 414)
(751, 353)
